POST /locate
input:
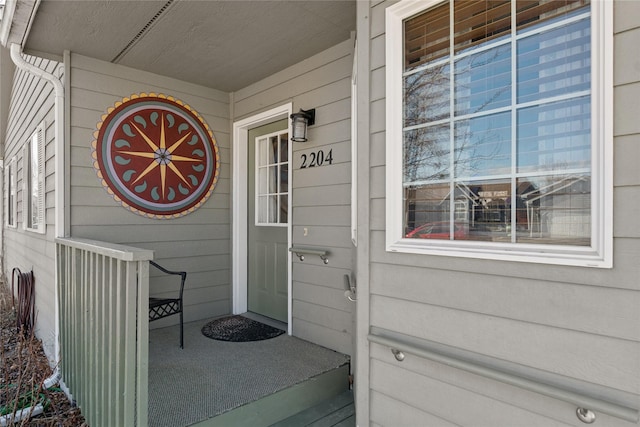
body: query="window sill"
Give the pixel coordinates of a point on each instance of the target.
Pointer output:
(36, 230)
(536, 254)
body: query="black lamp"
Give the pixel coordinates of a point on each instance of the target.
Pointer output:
(299, 123)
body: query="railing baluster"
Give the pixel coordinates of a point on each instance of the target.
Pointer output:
(102, 341)
(86, 377)
(142, 383)
(129, 366)
(110, 349)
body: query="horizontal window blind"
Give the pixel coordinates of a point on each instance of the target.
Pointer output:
(480, 21)
(530, 12)
(427, 36)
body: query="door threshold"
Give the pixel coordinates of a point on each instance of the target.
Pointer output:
(266, 320)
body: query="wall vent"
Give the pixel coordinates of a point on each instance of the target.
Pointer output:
(142, 32)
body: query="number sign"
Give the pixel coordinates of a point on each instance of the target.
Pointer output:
(316, 158)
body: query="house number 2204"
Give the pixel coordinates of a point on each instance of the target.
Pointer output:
(316, 158)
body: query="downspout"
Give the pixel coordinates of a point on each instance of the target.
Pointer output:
(31, 411)
(16, 56)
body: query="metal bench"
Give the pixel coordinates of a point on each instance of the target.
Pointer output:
(164, 307)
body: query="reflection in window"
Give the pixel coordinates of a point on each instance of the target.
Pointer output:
(555, 136)
(483, 81)
(497, 131)
(483, 145)
(549, 210)
(426, 153)
(427, 95)
(554, 209)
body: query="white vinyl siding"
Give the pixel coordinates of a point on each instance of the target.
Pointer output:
(31, 107)
(481, 158)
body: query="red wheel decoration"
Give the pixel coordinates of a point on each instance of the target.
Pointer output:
(156, 156)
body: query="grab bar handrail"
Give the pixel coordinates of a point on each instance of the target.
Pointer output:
(301, 251)
(400, 344)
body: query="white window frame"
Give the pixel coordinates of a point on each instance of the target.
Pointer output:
(354, 146)
(11, 176)
(600, 253)
(37, 137)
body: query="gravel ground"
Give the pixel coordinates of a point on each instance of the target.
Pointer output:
(23, 368)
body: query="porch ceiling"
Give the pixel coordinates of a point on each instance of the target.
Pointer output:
(225, 45)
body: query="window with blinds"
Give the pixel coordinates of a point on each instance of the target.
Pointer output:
(33, 173)
(497, 122)
(11, 194)
(427, 36)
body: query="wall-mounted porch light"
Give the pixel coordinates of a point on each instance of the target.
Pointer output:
(299, 123)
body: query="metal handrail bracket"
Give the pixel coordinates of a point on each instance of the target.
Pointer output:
(301, 251)
(401, 344)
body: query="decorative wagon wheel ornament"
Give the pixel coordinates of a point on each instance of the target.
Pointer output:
(156, 156)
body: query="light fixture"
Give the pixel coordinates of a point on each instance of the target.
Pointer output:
(299, 123)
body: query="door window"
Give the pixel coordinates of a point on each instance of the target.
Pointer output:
(272, 179)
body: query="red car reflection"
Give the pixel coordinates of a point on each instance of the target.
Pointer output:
(437, 230)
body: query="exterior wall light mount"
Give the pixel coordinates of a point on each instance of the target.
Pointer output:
(299, 123)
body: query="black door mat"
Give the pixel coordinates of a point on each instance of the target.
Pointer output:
(239, 329)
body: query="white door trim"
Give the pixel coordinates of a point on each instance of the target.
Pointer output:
(239, 205)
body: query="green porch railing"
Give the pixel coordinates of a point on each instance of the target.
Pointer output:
(103, 292)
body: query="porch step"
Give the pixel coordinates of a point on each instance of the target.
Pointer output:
(335, 412)
(285, 404)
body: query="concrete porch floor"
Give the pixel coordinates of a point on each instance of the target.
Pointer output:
(209, 378)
